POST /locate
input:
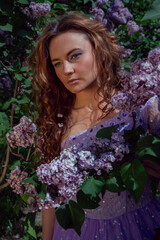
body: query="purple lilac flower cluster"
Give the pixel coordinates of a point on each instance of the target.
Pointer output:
(19, 187)
(36, 10)
(118, 13)
(132, 27)
(23, 134)
(64, 174)
(127, 53)
(140, 84)
(98, 12)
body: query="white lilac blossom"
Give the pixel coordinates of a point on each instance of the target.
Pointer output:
(118, 13)
(36, 10)
(19, 187)
(23, 134)
(140, 84)
(132, 27)
(66, 173)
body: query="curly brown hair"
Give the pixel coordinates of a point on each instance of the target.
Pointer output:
(53, 98)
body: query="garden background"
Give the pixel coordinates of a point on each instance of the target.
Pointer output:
(137, 25)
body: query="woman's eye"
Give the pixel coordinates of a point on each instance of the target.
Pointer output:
(57, 64)
(76, 56)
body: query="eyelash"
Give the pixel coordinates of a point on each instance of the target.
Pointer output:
(73, 57)
(76, 55)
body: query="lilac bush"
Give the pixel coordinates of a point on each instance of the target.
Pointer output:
(140, 84)
(64, 174)
(23, 134)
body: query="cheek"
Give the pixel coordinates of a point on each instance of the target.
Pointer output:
(86, 66)
(59, 75)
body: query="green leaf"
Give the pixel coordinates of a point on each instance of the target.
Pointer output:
(63, 216)
(8, 103)
(24, 100)
(24, 69)
(18, 76)
(8, 27)
(17, 206)
(23, 1)
(78, 216)
(15, 163)
(2, 44)
(4, 123)
(25, 197)
(28, 82)
(61, 6)
(106, 132)
(135, 178)
(85, 202)
(86, 1)
(31, 180)
(30, 224)
(43, 191)
(148, 146)
(113, 185)
(133, 135)
(153, 12)
(92, 187)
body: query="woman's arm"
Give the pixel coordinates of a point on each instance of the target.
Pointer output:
(48, 220)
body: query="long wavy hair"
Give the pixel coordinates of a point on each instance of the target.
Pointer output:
(54, 101)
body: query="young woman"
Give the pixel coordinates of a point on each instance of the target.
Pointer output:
(75, 66)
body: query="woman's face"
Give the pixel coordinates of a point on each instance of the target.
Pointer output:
(73, 59)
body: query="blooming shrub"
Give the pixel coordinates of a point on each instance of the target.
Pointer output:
(22, 21)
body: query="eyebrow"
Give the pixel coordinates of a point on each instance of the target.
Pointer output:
(56, 59)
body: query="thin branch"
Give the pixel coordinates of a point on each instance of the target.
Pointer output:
(6, 68)
(8, 148)
(29, 151)
(4, 186)
(12, 110)
(6, 165)
(16, 154)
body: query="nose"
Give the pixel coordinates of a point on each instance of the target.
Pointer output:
(68, 68)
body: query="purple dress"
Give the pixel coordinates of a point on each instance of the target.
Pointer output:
(117, 217)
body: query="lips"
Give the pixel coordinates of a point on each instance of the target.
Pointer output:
(73, 81)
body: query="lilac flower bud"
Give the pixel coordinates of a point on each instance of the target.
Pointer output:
(126, 13)
(132, 27)
(101, 3)
(127, 53)
(154, 56)
(146, 67)
(98, 14)
(136, 67)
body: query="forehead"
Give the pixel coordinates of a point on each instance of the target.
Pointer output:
(67, 41)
